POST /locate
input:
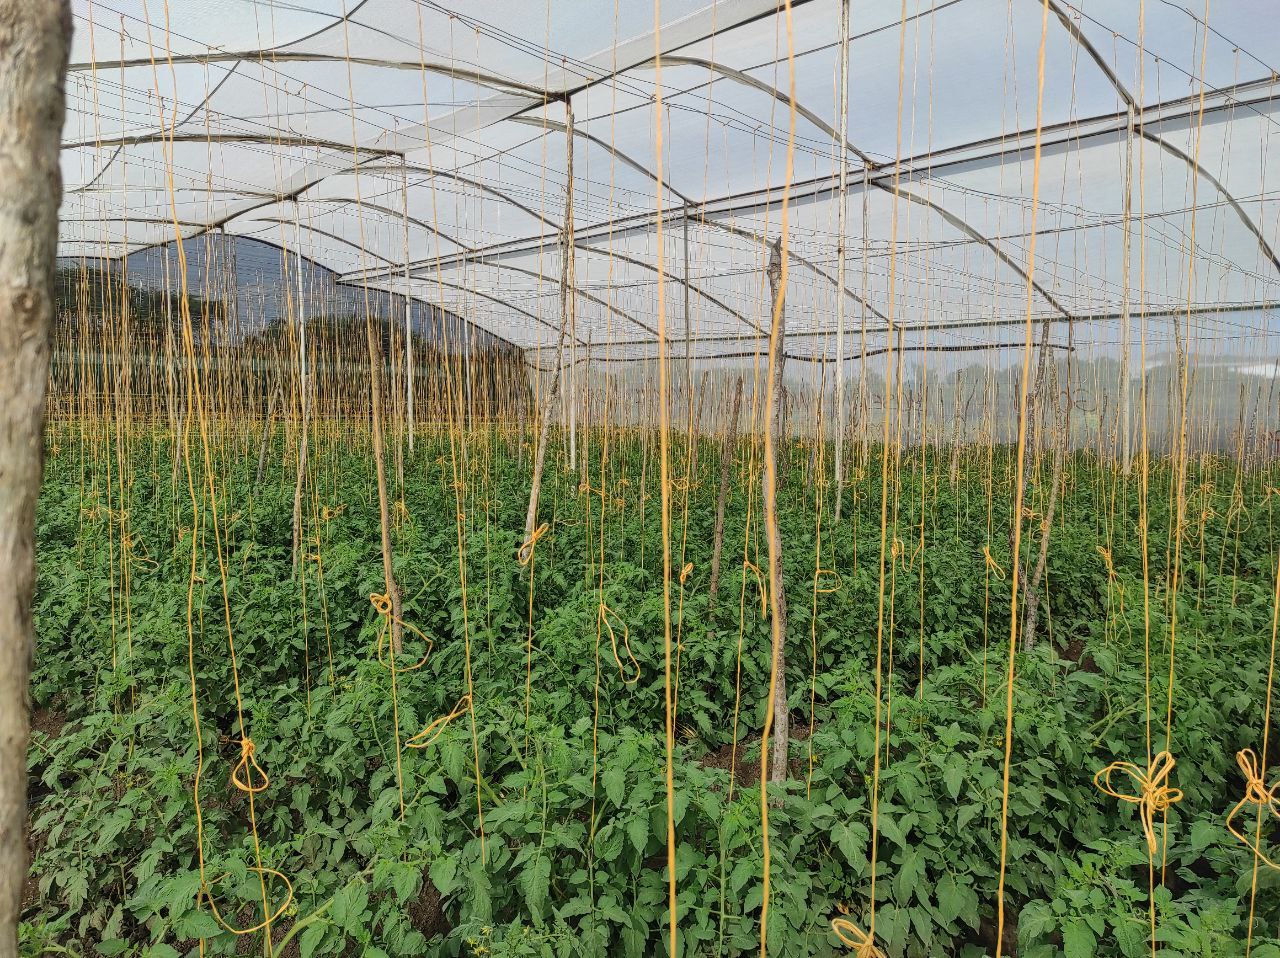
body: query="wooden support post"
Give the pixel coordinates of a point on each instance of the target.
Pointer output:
(266, 435)
(566, 323)
(34, 41)
(408, 306)
(303, 399)
(375, 397)
(777, 590)
(726, 466)
(840, 252)
(1126, 430)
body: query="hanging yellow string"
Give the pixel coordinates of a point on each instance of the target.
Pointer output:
(604, 613)
(1112, 578)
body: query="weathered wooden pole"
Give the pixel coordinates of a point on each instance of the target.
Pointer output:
(34, 41)
(726, 465)
(777, 591)
(1126, 430)
(840, 252)
(566, 323)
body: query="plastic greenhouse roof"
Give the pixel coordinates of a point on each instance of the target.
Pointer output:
(419, 146)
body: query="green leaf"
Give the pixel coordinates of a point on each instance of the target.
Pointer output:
(949, 903)
(638, 831)
(537, 882)
(1132, 935)
(953, 778)
(615, 784)
(349, 906)
(406, 881)
(112, 947)
(890, 829)
(1203, 833)
(609, 842)
(635, 942)
(444, 873)
(197, 924)
(1078, 939)
(311, 938)
(851, 843)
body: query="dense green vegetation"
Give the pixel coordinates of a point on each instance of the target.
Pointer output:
(574, 859)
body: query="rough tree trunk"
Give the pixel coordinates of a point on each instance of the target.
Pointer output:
(34, 40)
(726, 464)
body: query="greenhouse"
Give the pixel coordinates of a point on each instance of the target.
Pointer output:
(639, 478)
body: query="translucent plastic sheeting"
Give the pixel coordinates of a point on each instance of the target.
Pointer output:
(422, 146)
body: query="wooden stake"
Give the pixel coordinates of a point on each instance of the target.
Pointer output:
(726, 464)
(566, 322)
(777, 590)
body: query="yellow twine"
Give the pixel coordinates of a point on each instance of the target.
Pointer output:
(1154, 794)
(1111, 569)
(992, 564)
(854, 937)
(262, 872)
(1255, 793)
(248, 764)
(433, 731)
(764, 605)
(525, 553)
(686, 572)
(828, 589)
(382, 605)
(603, 613)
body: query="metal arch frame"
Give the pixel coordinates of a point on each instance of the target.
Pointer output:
(378, 208)
(479, 256)
(457, 177)
(871, 165)
(1140, 128)
(269, 57)
(738, 76)
(141, 139)
(711, 66)
(318, 265)
(634, 261)
(354, 285)
(555, 125)
(823, 358)
(674, 58)
(355, 148)
(577, 291)
(364, 204)
(990, 149)
(203, 104)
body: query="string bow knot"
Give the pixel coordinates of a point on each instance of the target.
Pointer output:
(243, 773)
(1153, 795)
(854, 937)
(1255, 793)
